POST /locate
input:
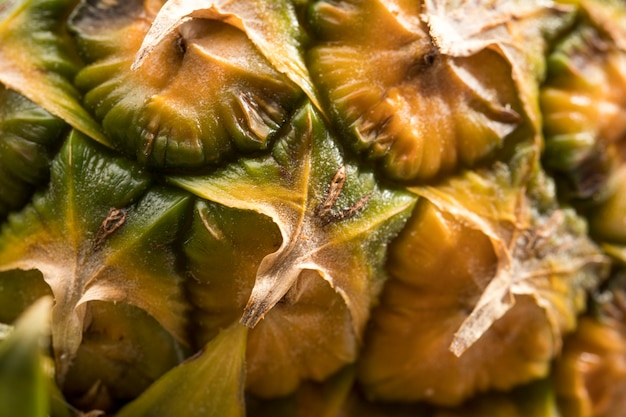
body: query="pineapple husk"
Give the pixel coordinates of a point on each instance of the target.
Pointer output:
(322, 264)
(438, 110)
(449, 321)
(268, 208)
(215, 94)
(585, 113)
(590, 375)
(79, 236)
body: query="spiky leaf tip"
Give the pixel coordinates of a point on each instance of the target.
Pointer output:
(37, 62)
(210, 384)
(23, 380)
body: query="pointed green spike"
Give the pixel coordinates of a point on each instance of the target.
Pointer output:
(23, 384)
(210, 384)
(36, 62)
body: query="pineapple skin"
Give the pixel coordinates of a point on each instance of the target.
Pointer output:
(264, 208)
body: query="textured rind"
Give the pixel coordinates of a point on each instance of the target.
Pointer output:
(309, 282)
(223, 257)
(300, 257)
(590, 374)
(584, 103)
(204, 94)
(479, 254)
(99, 233)
(438, 110)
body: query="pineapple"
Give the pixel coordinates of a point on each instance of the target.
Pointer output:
(312, 208)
